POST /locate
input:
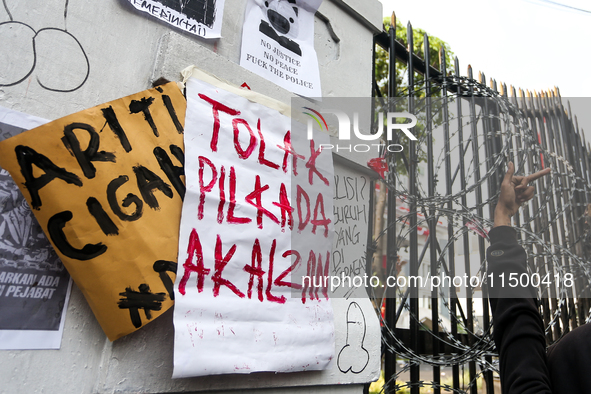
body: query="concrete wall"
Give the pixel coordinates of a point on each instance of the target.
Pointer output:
(126, 51)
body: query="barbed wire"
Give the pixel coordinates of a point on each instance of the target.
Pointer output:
(482, 139)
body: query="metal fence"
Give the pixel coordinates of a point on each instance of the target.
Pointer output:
(447, 183)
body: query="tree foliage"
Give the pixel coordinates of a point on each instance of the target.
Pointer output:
(382, 58)
(381, 70)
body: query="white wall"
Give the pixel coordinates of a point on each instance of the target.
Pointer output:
(126, 51)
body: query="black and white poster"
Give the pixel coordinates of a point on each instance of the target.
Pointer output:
(278, 44)
(34, 285)
(200, 17)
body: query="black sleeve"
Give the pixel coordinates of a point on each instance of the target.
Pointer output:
(518, 328)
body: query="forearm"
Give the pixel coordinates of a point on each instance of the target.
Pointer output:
(518, 327)
(502, 217)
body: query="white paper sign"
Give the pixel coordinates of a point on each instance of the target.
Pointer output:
(278, 44)
(200, 17)
(258, 207)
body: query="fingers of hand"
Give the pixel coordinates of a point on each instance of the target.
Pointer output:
(510, 172)
(524, 195)
(538, 174)
(520, 182)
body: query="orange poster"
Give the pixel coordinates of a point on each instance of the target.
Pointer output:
(106, 184)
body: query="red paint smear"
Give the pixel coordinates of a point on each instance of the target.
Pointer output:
(379, 165)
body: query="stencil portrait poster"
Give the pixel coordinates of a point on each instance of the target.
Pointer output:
(278, 44)
(200, 17)
(34, 285)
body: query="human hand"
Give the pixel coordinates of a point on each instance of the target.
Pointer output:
(514, 192)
